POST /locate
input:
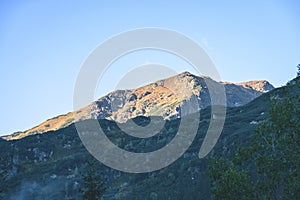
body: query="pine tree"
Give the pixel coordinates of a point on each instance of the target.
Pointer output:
(3, 185)
(93, 188)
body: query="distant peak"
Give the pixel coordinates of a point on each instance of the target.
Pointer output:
(161, 98)
(186, 73)
(258, 85)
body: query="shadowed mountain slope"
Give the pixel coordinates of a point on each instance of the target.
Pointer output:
(161, 98)
(50, 165)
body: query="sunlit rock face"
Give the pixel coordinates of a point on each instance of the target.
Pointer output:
(162, 98)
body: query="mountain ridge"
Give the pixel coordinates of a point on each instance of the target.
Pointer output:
(50, 165)
(160, 98)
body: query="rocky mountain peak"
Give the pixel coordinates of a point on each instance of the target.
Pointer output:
(258, 85)
(162, 98)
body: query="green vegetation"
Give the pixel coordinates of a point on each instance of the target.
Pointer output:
(268, 167)
(54, 165)
(4, 172)
(93, 188)
(2, 179)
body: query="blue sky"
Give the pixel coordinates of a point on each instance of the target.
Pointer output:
(44, 43)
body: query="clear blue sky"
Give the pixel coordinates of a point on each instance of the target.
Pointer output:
(44, 43)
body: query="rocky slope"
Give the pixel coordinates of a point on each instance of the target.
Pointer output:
(162, 98)
(50, 165)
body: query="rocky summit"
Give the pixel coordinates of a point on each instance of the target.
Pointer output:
(162, 98)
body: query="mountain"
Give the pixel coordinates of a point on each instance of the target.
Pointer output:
(265, 166)
(50, 165)
(161, 98)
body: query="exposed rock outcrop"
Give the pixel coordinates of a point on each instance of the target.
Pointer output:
(162, 98)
